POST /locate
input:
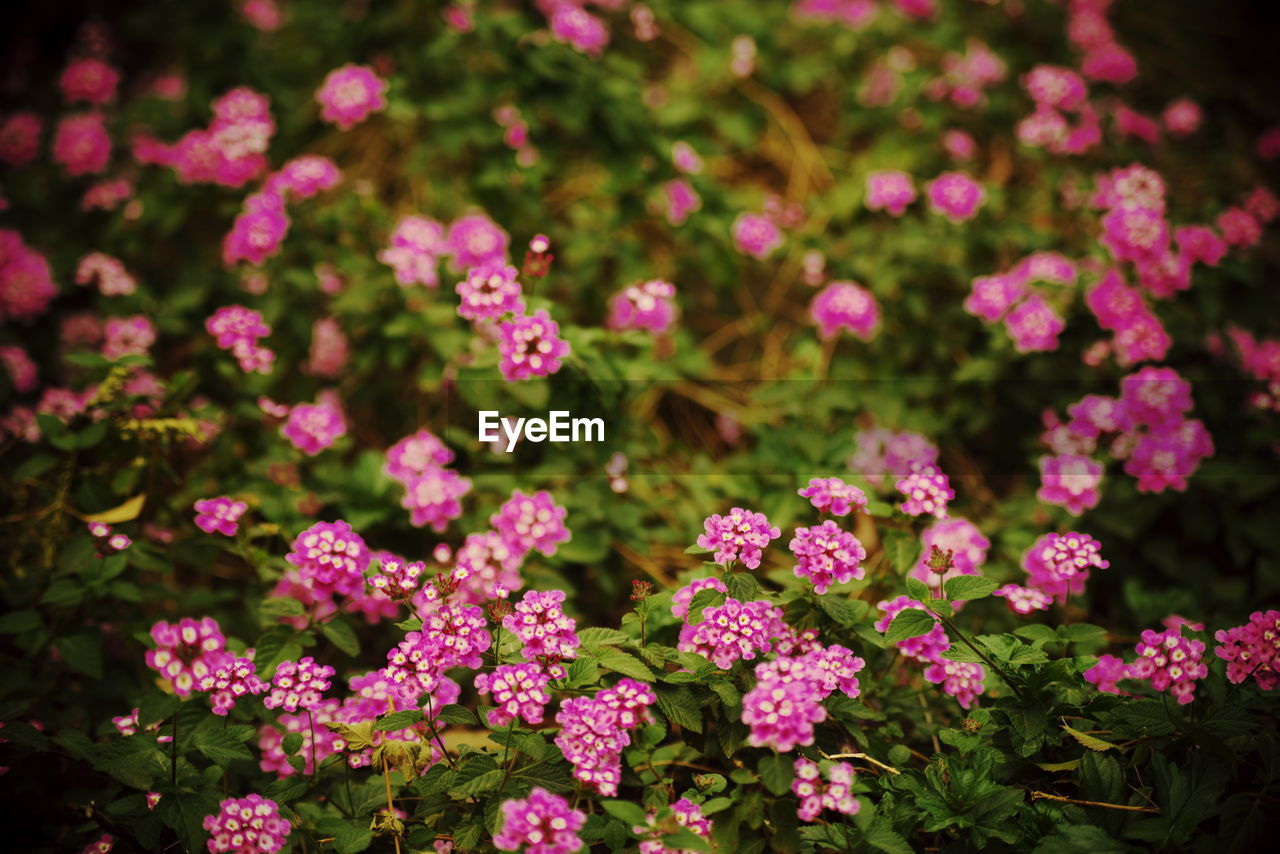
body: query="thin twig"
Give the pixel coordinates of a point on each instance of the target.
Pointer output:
(1048, 797)
(865, 758)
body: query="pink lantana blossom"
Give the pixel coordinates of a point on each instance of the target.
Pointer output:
(220, 515)
(350, 94)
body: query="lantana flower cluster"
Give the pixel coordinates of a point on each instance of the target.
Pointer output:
(595, 730)
(741, 535)
(835, 794)
(248, 825)
(1167, 660)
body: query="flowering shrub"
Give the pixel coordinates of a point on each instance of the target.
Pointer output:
(937, 367)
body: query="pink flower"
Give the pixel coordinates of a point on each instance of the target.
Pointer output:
(531, 522)
(475, 240)
(414, 455)
(1239, 228)
(1109, 63)
(22, 371)
(1182, 117)
(960, 537)
(991, 296)
(826, 555)
(681, 200)
(1134, 233)
(845, 305)
(1055, 86)
(1034, 326)
(756, 235)
(890, 191)
(531, 347)
(832, 495)
(350, 94)
(573, 25)
(109, 273)
(519, 691)
(451, 636)
(433, 497)
(312, 427)
(542, 823)
(221, 514)
(1024, 600)
(330, 558)
(298, 685)
(1252, 650)
(648, 305)
(815, 796)
(329, 350)
(89, 79)
(547, 634)
(128, 336)
(959, 679)
(187, 651)
(926, 490)
(20, 139)
(733, 631)
(304, 177)
(1170, 663)
(414, 252)
(249, 825)
(956, 196)
(740, 535)
(1106, 673)
(82, 145)
(490, 291)
(685, 159)
(1059, 564)
(229, 681)
(1070, 481)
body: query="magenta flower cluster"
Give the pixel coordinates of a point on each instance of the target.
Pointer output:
(832, 495)
(230, 681)
(595, 730)
(298, 685)
(739, 535)
(542, 823)
(1252, 649)
(835, 794)
(248, 825)
(219, 515)
(519, 691)
(826, 555)
(733, 631)
(546, 633)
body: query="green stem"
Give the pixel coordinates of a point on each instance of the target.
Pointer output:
(173, 753)
(1013, 686)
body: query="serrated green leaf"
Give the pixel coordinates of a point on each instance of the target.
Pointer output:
(624, 663)
(631, 813)
(678, 704)
(1089, 741)
(219, 746)
(910, 623)
(339, 632)
(776, 772)
(597, 637)
(394, 721)
(968, 587)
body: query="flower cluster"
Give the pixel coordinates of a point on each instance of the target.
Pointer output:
(826, 555)
(832, 495)
(187, 651)
(740, 535)
(1169, 661)
(961, 680)
(298, 685)
(890, 191)
(845, 305)
(647, 305)
(229, 681)
(231, 151)
(238, 329)
(542, 823)
(815, 796)
(109, 273)
(312, 427)
(733, 631)
(546, 633)
(1024, 600)
(350, 94)
(489, 291)
(1059, 564)
(595, 730)
(1252, 649)
(451, 636)
(786, 702)
(249, 825)
(414, 251)
(518, 690)
(330, 558)
(885, 453)
(398, 578)
(82, 145)
(221, 515)
(530, 346)
(26, 281)
(926, 490)
(531, 522)
(956, 196)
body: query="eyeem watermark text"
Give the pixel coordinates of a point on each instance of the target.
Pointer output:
(558, 426)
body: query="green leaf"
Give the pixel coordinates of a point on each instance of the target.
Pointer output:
(220, 746)
(20, 622)
(394, 721)
(839, 609)
(678, 704)
(82, 653)
(339, 632)
(776, 772)
(684, 839)
(631, 813)
(292, 743)
(624, 663)
(455, 714)
(597, 637)
(696, 549)
(743, 586)
(967, 587)
(156, 707)
(910, 623)
(485, 782)
(348, 837)
(1089, 741)
(917, 589)
(281, 606)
